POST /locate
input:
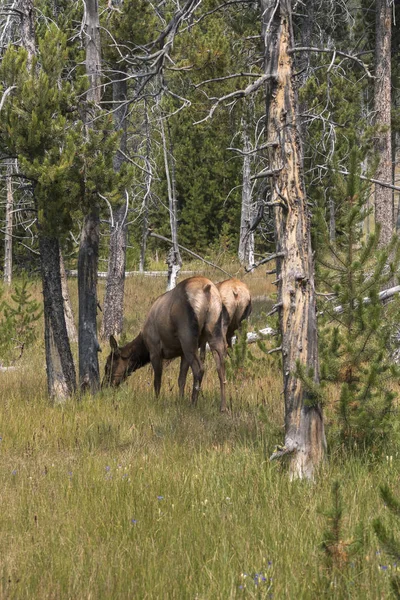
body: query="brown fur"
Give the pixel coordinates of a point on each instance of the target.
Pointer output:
(235, 296)
(178, 323)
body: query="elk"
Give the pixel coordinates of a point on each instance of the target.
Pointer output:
(178, 323)
(235, 296)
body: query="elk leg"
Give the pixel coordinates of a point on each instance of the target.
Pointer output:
(182, 376)
(198, 371)
(156, 362)
(219, 358)
(203, 352)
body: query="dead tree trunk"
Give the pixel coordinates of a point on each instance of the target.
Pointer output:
(61, 378)
(384, 211)
(69, 317)
(304, 426)
(8, 228)
(89, 375)
(174, 260)
(113, 306)
(26, 9)
(246, 238)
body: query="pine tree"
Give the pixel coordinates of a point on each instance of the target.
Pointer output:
(354, 337)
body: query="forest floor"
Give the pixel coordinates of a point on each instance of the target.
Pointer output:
(124, 496)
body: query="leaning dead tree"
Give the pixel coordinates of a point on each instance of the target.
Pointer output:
(304, 425)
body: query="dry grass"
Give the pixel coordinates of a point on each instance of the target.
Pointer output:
(125, 496)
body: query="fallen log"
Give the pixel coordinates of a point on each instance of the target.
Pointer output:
(103, 274)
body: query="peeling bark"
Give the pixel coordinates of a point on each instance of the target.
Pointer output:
(384, 207)
(304, 426)
(69, 317)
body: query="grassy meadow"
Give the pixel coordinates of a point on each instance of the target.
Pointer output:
(123, 496)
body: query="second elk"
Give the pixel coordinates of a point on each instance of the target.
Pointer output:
(178, 324)
(235, 296)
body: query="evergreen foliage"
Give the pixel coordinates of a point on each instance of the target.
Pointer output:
(17, 323)
(354, 339)
(42, 125)
(338, 551)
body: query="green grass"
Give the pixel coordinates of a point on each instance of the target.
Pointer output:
(125, 496)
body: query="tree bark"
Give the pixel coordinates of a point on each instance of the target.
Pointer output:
(304, 426)
(8, 245)
(61, 378)
(26, 8)
(246, 238)
(384, 209)
(89, 375)
(69, 317)
(113, 305)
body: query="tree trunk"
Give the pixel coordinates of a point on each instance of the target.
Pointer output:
(146, 198)
(26, 9)
(61, 378)
(174, 260)
(246, 238)
(384, 212)
(89, 375)
(69, 317)
(304, 426)
(113, 305)
(8, 228)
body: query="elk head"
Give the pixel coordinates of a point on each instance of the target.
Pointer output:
(116, 369)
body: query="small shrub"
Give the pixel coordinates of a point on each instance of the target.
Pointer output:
(17, 325)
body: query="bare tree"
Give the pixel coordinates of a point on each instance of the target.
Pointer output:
(384, 208)
(89, 375)
(304, 426)
(246, 238)
(8, 245)
(113, 306)
(146, 197)
(174, 260)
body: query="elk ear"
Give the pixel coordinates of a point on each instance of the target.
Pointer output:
(114, 345)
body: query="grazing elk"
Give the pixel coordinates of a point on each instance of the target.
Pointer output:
(179, 322)
(235, 296)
